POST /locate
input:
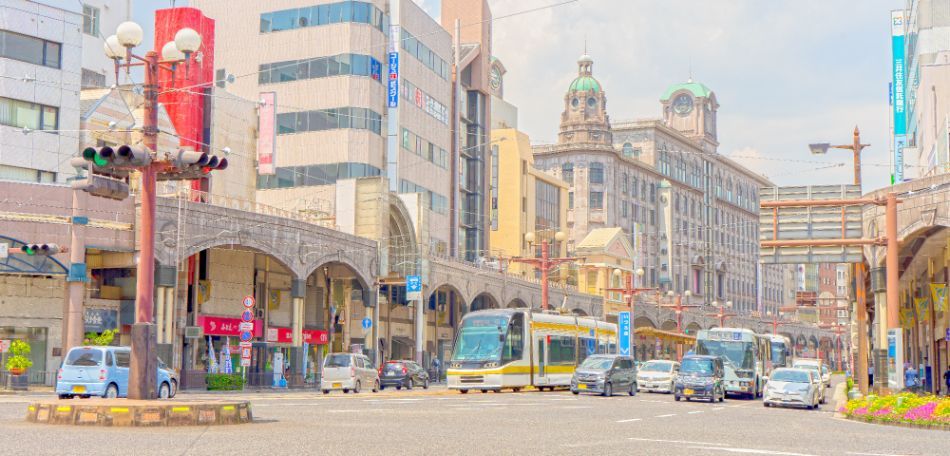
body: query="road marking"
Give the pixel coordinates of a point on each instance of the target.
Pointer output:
(718, 408)
(694, 412)
(344, 411)
(665, 416)
(753, 451)
(630, 420)
(874, 454)
(688, 442)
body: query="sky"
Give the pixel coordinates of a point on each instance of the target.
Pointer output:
(785, 74)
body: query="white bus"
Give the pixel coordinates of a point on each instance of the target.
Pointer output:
(515, 348)
(745, 355)
(781, 347)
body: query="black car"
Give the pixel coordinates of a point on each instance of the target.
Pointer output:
(402, 374)
(700, 377)
(605, 374)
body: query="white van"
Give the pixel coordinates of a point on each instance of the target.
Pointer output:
(348, 372)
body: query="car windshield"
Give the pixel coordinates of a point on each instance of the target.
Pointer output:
(597, 363)
(788, 375)
(697, 366)
(84, 357)
(481, 338)
(656, 367)
(739, 353)
(340, 360)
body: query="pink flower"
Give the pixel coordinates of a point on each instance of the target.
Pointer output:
(861, 411)
(883, 412)
(924, 412)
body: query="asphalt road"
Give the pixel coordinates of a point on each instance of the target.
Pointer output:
(440, 422)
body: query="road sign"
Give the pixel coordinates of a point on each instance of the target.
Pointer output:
(414, 287)
(246, 336)
(248, 301)
(367, 323)
(246, 326)
(245, 344)
(4, 345)
(245, 362)
(247, 315)
(623, 323)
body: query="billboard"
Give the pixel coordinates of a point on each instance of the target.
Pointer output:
(267, 137)
(898, 103)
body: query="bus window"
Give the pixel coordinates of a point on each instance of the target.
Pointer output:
(561, 350)
(514, 340)
(585, 348)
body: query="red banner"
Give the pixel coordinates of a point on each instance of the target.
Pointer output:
(285, 336)
(226, 326)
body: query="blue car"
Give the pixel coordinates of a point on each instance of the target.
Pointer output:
(104, 372)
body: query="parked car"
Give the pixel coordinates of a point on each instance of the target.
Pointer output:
(657, 375)
(403, 374)
(605, 374)
(792, 387)
(104, 371)
(348, 372)
(700, 377)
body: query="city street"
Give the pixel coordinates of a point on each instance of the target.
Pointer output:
(445, 422)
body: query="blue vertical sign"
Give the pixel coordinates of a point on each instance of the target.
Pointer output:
(414, 287)
(393, 87)
(623, 321)
(898, 102)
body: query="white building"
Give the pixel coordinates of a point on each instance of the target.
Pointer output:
(99, 20)
(39, 90)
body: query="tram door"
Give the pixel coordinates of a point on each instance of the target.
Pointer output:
(542, 377)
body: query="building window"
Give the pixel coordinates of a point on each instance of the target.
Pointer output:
(314, 16)
(16, 173)
(434, 201)
(30, 49)
(320, 67)
(313, 175)
(329, 119)
(90, 20)
(547, 208)
(628, 150)
(570, 200)
(23, 114)
(413, 94)
(623, 185)
(425, 55)
(567, 173)
(596, 173)
(596, 200)
(432, 153)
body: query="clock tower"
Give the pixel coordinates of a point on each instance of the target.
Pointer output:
(585, 120)
(691, 108)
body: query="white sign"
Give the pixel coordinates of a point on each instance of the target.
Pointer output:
(267, 134)
(4, 345)
(4, 250)
(245, 344)
(248, 301)
(246, 326)
(414, 287)
(245, 362)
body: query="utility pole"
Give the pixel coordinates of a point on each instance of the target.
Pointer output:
(545, 263)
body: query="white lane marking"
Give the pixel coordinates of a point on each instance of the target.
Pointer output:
(665, 416)
(653, 401)
(753, 451)
(688, 442)
(694, 412)
(344, 411)
(718, 408)
(630, 420)
(874, 454)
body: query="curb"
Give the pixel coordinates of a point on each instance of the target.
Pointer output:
(125, 413)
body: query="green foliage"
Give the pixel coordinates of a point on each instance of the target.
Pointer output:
(18, 356)
(101, 340)
(224, 382)
(850, 383)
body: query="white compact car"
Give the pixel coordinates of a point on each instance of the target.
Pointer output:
(793, 388)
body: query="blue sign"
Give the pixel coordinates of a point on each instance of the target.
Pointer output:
(623, 321)
(948, 335)
(898, 103)
(375, 69)
(393, 86)
(99, 320)
(367, 323)
(246, 336)
(413, 283)
(247, 316)
(591, 343)
(737, 336)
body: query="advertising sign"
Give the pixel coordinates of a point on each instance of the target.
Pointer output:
(414, 287)
(286, 335)
(267, 133)
(225, 326)
(898, 103)
(99, 320)
(392, 91)
(623, 323)
(895, 358)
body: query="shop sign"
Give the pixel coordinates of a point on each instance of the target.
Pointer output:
(4, 345)
(99, 320)
(286, 336)
(225, 326)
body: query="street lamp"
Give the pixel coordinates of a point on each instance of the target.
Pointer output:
(545, 263)
(722, 315)
(628, 290)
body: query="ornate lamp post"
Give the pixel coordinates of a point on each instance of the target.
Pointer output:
(545, 263)
(678, 309)
(722, 315)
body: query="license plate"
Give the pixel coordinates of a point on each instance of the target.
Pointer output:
(338, 385)
(581, 386)
(688, 392)
(79, 389)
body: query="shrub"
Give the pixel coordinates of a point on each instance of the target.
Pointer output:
(19, 350)
(224, 382)
(903, 408)
(101, 340)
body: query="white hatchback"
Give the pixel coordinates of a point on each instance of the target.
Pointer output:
(348, 372)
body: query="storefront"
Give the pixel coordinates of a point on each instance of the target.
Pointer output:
(652, 343)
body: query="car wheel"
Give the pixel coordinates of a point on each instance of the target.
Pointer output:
(818, 405)
(382, 387)
(326, 391)
(425, 385)
(688, 399)
(497, 390)
(409, 384)
(463, 391)
(376, 386)
(516, 390)
(484, 391)
(575, 392)
(112, 391)
(174, 387)
(676, 397)
(398, 387)
(809, 407)
(346, 390)
(356, 387)
(722, 396)
(164, 391)
(608, 390)
(765, 404)
(822, 401)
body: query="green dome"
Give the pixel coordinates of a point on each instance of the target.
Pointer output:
(583, 84)
(698, 90)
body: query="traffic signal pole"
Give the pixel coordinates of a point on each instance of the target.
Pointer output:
(73, 325)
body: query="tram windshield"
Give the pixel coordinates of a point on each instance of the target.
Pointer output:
(481, 338)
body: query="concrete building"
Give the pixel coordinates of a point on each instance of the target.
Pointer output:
(692, 213)
(99, 20)
(40, 90)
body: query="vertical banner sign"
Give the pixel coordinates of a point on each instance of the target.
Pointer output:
(267, 129)
(414, 287)
(897, 103)
(393, 85)
(623, 323)
(938, 292)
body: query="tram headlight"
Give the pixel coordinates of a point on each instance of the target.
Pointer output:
(491, 364)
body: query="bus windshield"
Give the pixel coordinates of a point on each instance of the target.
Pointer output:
(740, 354)
(481, 338)
(778, 354)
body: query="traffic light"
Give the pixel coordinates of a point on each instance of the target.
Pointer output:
(107, 161)
(102, 186)
(100, 157)
(40, 249)
(133, 156)
(193, 165)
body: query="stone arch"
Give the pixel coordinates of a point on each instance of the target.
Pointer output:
(250, 243)
(463, 299)
(643, 322)
(517, 303)
(668, 325)
(579, 312)
(402, 249)
(364, 277)
(484, 300)
(693, 328)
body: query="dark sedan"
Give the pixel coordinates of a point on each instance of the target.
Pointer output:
(402, 374)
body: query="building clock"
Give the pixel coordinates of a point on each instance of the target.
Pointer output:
(683, 104)
(494, 78)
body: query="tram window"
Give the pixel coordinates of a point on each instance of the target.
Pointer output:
(561, 350)
(584, 349)
(514, 342)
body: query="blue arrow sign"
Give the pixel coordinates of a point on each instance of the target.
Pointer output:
(413, 283)
(367, 323)
(623, 321)
(591, 343)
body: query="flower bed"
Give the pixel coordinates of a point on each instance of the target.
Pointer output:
(904, 408)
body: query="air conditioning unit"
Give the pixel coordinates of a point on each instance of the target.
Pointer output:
(193, 332)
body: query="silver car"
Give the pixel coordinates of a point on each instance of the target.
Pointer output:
(657, 375)
(794, 388)
(348, 372)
